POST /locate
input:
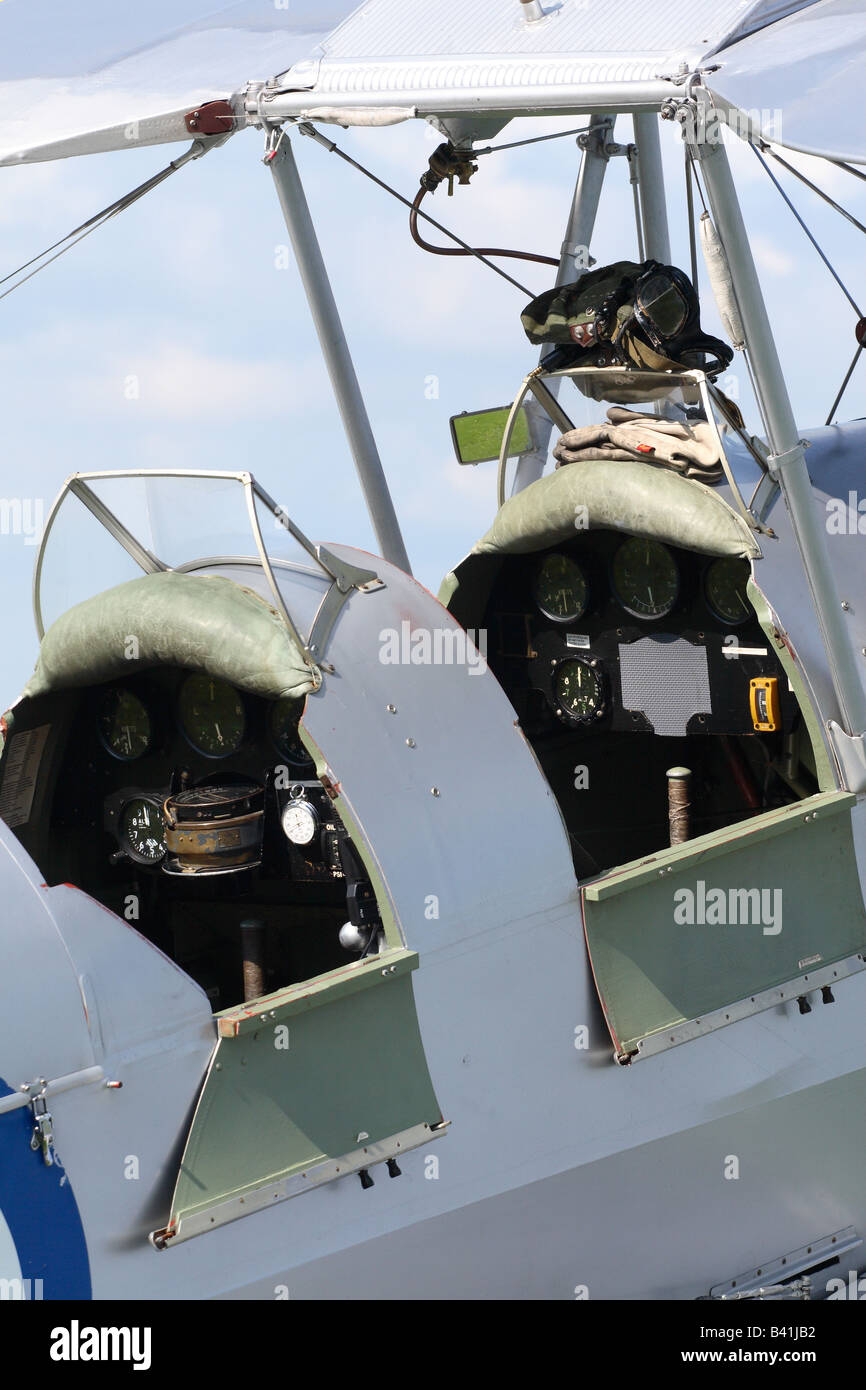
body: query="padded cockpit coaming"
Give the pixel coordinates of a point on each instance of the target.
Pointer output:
(200, 622)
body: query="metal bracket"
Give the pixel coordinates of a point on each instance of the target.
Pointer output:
(42, 1138)
(762, 498)
(211, 118)
(776, 462)
(764, 1283)
(850, 752)
(346, 577)
(598, 141)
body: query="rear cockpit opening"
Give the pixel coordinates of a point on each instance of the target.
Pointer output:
(627, 659)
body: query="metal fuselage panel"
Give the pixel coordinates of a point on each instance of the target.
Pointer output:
(480, 882)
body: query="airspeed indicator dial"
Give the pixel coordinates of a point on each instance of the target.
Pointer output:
(211, 715)
(124, 724)
(646, 580)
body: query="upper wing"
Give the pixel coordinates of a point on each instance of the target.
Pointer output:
(143, 97)
(456, 58)
(800, 80)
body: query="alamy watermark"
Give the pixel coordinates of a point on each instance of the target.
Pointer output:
(22, 516)
(732, 907)
(438, 646)
(846, 517)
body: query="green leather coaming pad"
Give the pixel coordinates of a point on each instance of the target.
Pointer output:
(622, 496)
(200, 622)
(629, 496)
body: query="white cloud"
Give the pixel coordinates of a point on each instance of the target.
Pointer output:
(187, 384)
(770, 256)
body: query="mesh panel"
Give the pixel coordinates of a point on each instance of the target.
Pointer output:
(665, 678)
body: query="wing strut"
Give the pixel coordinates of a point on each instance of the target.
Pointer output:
(338, 359)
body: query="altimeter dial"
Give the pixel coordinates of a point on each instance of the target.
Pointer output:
(560, 589)
(124, 724)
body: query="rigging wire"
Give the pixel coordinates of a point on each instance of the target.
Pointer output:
(534, 140)
(850, 372)
(306, 129)
(813, 239)
(843, 212)
(98, 219)
(850, 168)
(690, 206)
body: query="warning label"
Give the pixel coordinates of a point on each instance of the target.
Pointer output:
(20, 770)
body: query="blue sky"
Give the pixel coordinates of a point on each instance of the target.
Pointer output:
(185, 292)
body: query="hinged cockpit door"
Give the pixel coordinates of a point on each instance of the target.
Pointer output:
(323, 1079)
(695, 937)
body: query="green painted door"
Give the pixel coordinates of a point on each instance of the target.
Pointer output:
(698, 936)
(306, 1086)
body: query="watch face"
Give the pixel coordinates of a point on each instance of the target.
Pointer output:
(299, 822)
(578, 691)
(142, 830)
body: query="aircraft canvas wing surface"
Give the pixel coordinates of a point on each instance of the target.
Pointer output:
(448, 56)
(142, 98)
(513, 57)
(443, 57)
(800, 79)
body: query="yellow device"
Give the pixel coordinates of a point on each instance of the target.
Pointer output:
(764, 703)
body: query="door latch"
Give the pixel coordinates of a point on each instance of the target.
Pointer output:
(42, 1138)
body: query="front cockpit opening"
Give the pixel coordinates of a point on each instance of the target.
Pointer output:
(193, 810)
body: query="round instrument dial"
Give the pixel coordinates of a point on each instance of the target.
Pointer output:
(124, 724)
(578, 690)
(725, 588)
(283, 717)
(299, 821)
(560, 589)
(211, 716)
(646, 580)
(142, 830)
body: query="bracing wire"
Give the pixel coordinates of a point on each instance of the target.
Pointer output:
(407, 202)
(533, 140)
(84, 229)
(765, 166)
(844, 213)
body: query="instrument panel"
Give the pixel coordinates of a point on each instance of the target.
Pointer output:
(209, 713)
(148, 740)
(192, 807)
(561, 625)
(645, 581)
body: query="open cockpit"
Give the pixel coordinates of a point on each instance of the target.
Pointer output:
(620, 601)
(158, 762)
